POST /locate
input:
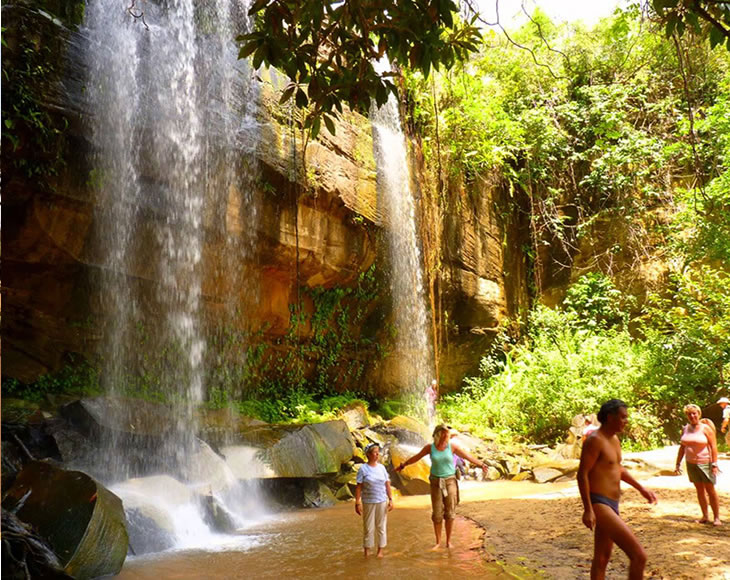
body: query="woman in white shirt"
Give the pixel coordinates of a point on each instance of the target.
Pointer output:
(373, 500)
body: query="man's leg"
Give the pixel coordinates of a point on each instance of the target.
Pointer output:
(700, 488)
(602, 546)
(610, 527)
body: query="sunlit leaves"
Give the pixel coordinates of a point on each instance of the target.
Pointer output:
(328, 48)
(710, 18)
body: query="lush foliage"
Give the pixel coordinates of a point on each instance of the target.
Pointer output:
(568, 365)
(710, 18)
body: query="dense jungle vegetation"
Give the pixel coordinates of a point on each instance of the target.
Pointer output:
(616, 125)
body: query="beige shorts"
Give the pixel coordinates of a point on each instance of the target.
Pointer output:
(443, 507)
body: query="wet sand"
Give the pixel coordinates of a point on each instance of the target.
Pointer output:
(544, 532)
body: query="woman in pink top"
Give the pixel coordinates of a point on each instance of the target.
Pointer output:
(699, 444)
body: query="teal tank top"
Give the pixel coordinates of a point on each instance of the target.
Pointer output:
(442, 462)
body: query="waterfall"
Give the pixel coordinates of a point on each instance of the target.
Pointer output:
(395, 198)
(173, 135)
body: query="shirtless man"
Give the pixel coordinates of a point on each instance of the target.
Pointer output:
(599, 480)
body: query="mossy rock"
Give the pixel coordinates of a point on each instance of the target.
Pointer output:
(81, 520)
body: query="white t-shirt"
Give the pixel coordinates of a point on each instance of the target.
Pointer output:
(373, 483)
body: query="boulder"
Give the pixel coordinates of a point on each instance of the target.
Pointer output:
(344, 493)
(414, 479)
(317, 494)
(522, 476)
(355, 415)
(546, 474)
(410, 430)
(303, 451)
(80, 519)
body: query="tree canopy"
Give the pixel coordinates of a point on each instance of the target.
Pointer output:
(328, 48)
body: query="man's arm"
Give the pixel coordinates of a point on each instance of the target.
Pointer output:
(725, 420)
(588, 457)
(628, 478)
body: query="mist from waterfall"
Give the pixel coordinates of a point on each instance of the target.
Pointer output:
(397, 204)
(173, 134)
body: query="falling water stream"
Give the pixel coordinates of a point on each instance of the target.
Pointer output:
(395, 196)
(173, 139)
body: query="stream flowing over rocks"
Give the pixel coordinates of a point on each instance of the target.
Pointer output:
(243, 468)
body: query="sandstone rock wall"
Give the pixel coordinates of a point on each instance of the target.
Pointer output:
(315, 223)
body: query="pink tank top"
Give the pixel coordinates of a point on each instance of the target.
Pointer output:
(696, 446)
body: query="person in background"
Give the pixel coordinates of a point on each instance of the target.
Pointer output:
(699, 444)
(444, 491)
(599, 480)
(591, 424)
(373, 500)
(724, 403)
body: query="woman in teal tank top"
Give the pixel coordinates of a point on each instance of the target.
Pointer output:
(444, 489)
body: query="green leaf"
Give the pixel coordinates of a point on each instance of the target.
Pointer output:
(258, 57)
(716, 37)
(301, 99)
(329, 124)
(315, 127)
(247, 49)
(288, 92)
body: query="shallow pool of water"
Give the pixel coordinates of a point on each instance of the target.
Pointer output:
(327, 543)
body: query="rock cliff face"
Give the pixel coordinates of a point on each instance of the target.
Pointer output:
(316, 224)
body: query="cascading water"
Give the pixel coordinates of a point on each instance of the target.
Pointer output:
(413, 347)
(171, 118)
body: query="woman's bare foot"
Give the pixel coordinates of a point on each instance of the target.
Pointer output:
(717, 522)
(380, 553)
(702, 521)
(366, 551)
(436, 547)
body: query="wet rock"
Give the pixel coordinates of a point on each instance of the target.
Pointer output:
(148, 504)
(135, 417)
(26, 555)
(414, 479)
(317, 494)
(81, 520)
(303, 451)
(409, 430)
(145, 534)
(217, 516)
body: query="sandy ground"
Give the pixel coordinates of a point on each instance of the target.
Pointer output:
(543, 532)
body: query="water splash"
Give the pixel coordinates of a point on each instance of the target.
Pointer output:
(173, 133)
